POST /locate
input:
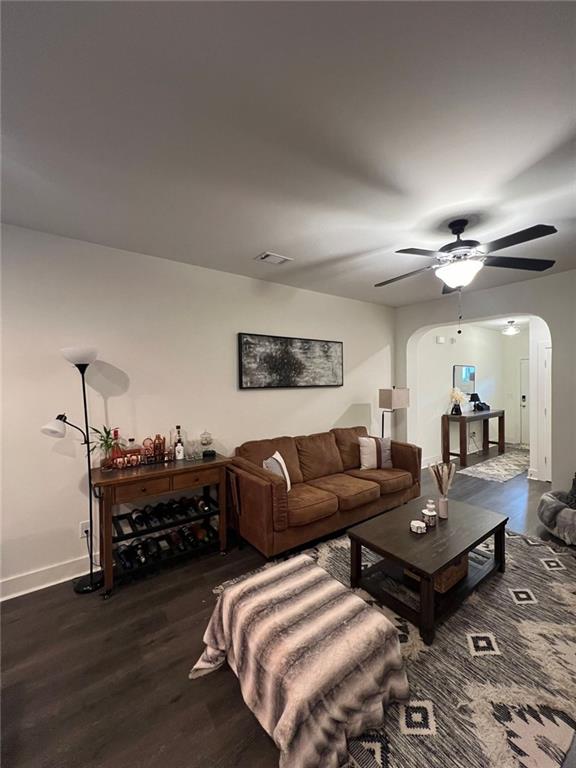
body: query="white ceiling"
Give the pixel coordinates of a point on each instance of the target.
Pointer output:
(333, 133)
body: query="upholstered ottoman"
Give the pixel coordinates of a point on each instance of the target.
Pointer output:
(316, 664)
(557, 516)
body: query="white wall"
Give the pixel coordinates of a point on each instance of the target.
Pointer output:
(481, 347)
(551, 298)
(166, 334)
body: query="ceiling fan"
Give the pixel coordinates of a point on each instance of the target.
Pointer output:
(458, 263)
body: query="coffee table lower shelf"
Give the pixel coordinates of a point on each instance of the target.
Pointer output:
(434, 606)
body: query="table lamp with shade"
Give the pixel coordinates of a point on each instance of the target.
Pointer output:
(391, 400)
(81, 358)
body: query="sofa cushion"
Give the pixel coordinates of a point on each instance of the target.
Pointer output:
(389, 480)
(307, 504)
(318, 455)
(257, 451)
(348, 446)
(351, 491)
(375, 453)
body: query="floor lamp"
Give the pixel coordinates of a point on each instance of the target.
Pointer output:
(391, 400)
(81, 358)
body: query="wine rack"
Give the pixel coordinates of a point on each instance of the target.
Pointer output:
(164, 533)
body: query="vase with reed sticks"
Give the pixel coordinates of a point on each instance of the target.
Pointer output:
(443, 475)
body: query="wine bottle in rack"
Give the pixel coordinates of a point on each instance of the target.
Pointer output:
(203, 506)
(138, 519)
(140, 553)
(124, 555)
(177, 541)
(152, 548)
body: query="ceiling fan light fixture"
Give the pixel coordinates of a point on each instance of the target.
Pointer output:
(457, 274)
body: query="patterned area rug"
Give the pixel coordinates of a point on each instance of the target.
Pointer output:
(497, 689)
(500, 468)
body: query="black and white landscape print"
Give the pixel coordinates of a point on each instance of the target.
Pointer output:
(281, 361)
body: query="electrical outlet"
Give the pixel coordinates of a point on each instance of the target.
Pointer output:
(84, 529)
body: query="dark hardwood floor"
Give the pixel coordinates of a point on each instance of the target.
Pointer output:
(89, 684)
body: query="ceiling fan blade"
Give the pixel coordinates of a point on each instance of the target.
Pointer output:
(447, 289)
(419, 252)
(401, 277)
(523, 236)
(532, 265)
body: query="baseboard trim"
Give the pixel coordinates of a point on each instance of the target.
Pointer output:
(32, 581)
(431, 460)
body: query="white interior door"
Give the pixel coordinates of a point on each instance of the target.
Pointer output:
(524, 402)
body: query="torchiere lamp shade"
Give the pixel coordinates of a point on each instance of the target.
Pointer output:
(80, 355)
(393, 399)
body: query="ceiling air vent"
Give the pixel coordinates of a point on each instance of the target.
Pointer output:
(273, 258)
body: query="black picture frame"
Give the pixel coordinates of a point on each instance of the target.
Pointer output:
(291, 347)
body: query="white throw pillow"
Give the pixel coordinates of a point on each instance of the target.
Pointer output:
(277, 466)
(375, 453)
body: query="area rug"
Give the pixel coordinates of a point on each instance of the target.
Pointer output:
(501, 468)
(497, 689)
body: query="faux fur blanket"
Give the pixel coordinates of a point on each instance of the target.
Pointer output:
(316, 664)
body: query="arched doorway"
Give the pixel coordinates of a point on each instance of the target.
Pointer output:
(513, 374)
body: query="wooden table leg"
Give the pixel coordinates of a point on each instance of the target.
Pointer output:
(486, 435)
(445, 439)
(463, 442)
(427, 610)
(501, 434)
(355, 562)
(106, 540)
(223, 517)
(500, 548)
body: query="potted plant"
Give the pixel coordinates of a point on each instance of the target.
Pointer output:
(105, 443)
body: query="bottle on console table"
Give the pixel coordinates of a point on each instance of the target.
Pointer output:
(179, 452)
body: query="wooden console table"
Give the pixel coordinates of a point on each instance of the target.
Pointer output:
(463, 421)
(121, 486)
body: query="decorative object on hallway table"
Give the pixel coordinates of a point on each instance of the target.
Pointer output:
(81, 358)
(314, 633)
(522, 692)
(273, 362)
(443, 475)
(458, 262)
(478, 404)
(390, 400)
(457, 398)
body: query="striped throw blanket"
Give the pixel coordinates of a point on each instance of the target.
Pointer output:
(316, 664)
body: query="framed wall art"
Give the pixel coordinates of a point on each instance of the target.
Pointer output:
(279, 362)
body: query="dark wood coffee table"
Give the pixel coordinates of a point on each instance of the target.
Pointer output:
(426, 555)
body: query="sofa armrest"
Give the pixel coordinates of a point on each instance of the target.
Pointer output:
(274, 500)
(407, 456)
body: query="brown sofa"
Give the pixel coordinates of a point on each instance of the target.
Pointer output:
(329, 490)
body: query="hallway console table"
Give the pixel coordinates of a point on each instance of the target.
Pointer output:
(122, 486)
(463, 421)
